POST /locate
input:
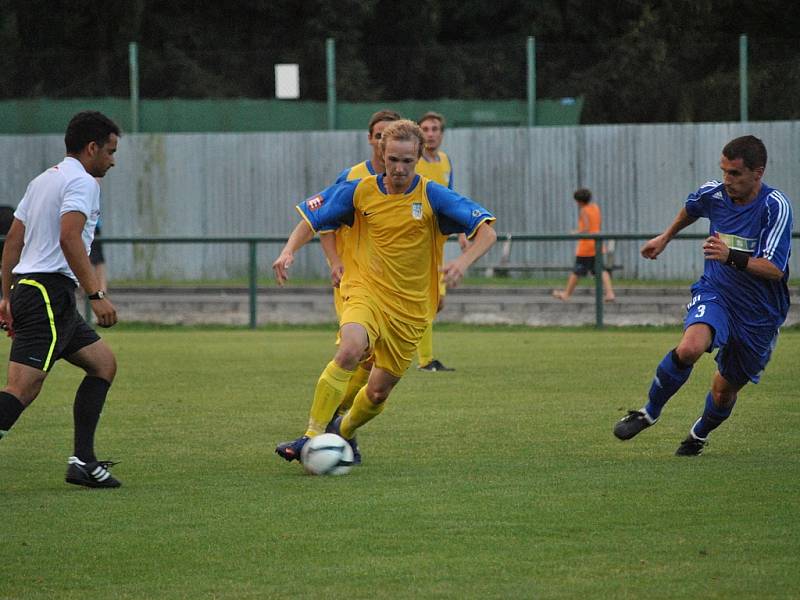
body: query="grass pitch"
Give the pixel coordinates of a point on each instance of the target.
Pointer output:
(500, 480)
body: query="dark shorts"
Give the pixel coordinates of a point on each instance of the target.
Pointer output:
(584, 265)
(47, 325)
(743, 353)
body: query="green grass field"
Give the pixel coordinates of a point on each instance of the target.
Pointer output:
(501, 480)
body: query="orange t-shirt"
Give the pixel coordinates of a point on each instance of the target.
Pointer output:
(589, 220)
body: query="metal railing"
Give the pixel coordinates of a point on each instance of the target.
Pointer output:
(253, 242)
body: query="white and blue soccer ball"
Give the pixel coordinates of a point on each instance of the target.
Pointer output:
(327, 454)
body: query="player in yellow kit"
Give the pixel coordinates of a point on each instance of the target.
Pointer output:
(435, 165)
(337, 248)
(391, 293)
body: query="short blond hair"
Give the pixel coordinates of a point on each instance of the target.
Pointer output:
(403, 130)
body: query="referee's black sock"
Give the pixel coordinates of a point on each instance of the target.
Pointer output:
(86, 411)
(10, 410)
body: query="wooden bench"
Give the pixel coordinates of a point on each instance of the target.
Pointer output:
(505, 266)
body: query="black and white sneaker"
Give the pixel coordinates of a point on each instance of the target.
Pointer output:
(631, 424)
(93, 474)
(434, 367)
(691, 446)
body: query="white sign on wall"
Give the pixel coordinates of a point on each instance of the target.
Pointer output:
(287, 82)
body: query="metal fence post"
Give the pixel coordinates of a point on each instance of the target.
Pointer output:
(133, 62)
(252, 244)
(598, 283)
(743, 101)
(531, 51)
(330, 62)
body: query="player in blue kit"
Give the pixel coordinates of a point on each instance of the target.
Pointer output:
(739, 303)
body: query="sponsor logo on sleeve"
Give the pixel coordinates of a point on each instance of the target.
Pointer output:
(476, 212)
(315, 202)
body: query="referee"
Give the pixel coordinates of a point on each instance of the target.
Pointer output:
(46, 255)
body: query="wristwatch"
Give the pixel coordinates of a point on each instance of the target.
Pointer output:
(98, 295)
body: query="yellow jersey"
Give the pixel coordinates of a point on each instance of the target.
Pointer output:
(342, 235)
(394, 238)
(440, 171)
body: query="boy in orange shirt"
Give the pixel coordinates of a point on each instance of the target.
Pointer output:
(589, 221)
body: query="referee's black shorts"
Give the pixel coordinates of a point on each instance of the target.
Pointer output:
(47, 325)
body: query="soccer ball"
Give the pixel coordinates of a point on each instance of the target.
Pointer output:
(327, 454)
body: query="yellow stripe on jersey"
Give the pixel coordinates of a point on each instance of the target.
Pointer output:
(50, 317)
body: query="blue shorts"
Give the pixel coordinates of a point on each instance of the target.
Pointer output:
(743, 352)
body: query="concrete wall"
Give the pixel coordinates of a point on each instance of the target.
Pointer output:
(248, 183)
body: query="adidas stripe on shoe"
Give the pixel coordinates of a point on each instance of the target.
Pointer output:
(93, 474)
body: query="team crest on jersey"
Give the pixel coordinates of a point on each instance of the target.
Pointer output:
(315, 203)
(416, 210)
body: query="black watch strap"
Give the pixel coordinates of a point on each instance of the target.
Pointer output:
(98, 295)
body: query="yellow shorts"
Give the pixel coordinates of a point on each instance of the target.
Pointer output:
(337, 301)
(392, 342)
(442, 286)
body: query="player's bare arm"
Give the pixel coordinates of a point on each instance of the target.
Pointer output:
(328, 242)
(716, 249)
(72, 246)
(652, 248)
(300, 236)
(12, 250)
(483, 239)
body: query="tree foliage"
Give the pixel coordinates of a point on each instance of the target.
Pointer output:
(633, 61)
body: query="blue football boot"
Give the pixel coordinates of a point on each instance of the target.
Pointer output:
(291, 450)
(334, 427)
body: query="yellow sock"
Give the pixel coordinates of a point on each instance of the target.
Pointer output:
(362, 412)
(327, 396)
(357, 381)
(425, 347)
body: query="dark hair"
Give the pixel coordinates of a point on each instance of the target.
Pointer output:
(432, 115)
(583, 195)
(749, 148)
(88, 126)
(383, 115)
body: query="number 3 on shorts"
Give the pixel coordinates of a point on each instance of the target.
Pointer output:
(701, 310)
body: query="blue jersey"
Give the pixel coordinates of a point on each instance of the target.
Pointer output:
(763, 229)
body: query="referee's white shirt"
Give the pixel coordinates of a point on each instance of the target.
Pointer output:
(66, 187)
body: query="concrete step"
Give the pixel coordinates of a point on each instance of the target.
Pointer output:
(533, 306)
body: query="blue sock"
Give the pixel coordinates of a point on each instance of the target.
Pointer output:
(713, 417)
(671, 374)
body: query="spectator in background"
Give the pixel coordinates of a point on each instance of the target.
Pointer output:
(589, 221)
